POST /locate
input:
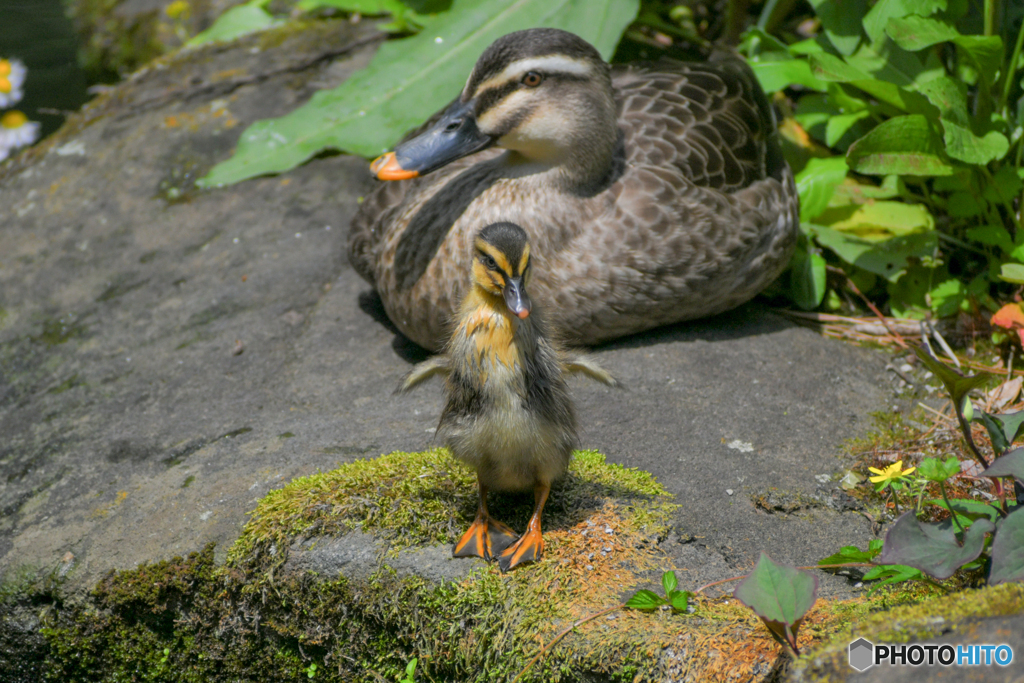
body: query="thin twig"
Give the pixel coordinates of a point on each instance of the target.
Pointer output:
(561, 635)
(942, 342)
(874, 309)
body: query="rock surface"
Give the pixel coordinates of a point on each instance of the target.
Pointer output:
(168, 356)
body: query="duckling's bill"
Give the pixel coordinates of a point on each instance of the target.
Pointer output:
(516, 298)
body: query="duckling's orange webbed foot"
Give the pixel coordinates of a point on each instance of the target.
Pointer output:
(485, 538)
(529, 548)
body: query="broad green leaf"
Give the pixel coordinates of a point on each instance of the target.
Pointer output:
(963, 144)
(816, 183)
(1005, 186)
(1012, 272)
(888, 259)
(934, 469)
(779, 74)
(985, 51)
(904, 145)
(850, 554)
(957, 385)
(947, 297)
(408, 80)
(838, 125)
(916, 33)
(1008, 550)
(645, 599)
(236, 22)
(1009, 465)
(879, 220)
(680, 600)
(368, 7)
(841, 21)
(992, 235)
(892, 573)
(669, 582)
(933, 548)
(1003, 429)
(807, 284)
(963, 205)
(778, 593)
(969, 509)
(878, 18)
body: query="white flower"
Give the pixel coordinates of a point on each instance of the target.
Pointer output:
(12, 77)
(16, 131)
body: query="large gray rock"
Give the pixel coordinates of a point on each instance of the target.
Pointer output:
(168, 356)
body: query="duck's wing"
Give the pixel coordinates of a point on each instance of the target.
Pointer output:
(709, 120)
(421, 372)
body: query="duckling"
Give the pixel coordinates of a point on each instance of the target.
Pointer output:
(508, 413)
(651, 194)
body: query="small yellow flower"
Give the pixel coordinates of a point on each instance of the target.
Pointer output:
(179, 9)
(5, 67)
(891, 473)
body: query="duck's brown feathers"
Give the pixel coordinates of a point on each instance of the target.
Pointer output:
(698, 213)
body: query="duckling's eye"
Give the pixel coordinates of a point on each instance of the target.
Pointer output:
(489, 262)
(532, 79)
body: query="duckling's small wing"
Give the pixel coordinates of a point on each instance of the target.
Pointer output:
(438, 365)
(588, 366)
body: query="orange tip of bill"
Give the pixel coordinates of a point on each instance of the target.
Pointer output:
(386, 167)
(523, 314)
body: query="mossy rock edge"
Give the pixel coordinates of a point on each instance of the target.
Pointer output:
(347, 575)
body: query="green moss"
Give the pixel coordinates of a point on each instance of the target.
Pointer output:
(921, 621)
(257, 618)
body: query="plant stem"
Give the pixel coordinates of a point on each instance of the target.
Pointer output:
(990, 17)
(966, 430)
(942, 487)
(1011, 70)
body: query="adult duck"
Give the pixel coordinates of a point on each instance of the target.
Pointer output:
(650, 194)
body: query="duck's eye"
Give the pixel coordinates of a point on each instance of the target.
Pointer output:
(489, 262)
(532, 79)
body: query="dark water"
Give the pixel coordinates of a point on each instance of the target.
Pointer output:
(39, 34)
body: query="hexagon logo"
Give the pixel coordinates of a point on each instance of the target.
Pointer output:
(862, 654)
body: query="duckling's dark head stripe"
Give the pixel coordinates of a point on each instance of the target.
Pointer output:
(523, 45)
(510, 240)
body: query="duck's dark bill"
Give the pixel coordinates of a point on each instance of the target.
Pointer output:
(454, 136)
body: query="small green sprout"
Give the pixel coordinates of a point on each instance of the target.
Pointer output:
(678, 600)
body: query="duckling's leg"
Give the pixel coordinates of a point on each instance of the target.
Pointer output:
(530, 547)
(485, 537)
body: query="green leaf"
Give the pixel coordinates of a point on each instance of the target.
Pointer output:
(838, 125)
(680, 600)
(937, 470)
(645, 599)
(888, 259)
(807, 283)
(1012, 272)
(408, 80)
(779, 74)
(950, 96)
(669, 582)
(916, 33)
(947, 297)
(904, 145)
(830, 68)
(892, 573)
(236, 22)
(841, 21)
(957, 385)
(1009, 465)
(969, 509)
(850, 554)
(878, 221)
(778, 593)
(933, 548)
(1003, 429)
(985, 51)
(878, 18)
(817, 182)
(1007, 550)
